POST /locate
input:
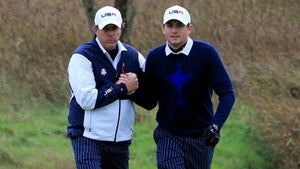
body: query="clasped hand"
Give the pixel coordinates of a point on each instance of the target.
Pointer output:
(130, 80)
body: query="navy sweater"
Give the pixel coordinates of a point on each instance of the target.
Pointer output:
(183, 86)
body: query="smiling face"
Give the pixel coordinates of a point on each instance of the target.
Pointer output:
(108, 36)
(176, 33)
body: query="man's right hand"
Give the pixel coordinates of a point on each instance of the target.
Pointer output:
(130, 80)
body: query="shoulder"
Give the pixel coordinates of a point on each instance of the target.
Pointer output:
(160, 50)
(205, 48)
(129, 47)
(86, 47)
(202, 44)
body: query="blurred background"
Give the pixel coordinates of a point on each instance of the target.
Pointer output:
(259, 42)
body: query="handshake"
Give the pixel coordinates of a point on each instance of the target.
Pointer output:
(130, 80)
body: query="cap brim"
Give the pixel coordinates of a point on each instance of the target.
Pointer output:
(114, 22)
(177, 19)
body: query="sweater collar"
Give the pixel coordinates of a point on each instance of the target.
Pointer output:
(186, 50)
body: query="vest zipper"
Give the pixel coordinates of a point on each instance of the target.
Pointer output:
(90, 126)
(119, 114)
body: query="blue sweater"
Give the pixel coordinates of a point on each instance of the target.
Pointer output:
(183, 86)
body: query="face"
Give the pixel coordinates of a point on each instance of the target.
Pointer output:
(108, 36)
(176, 33)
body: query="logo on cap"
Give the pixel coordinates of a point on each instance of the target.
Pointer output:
(108, 14)
(176, 11)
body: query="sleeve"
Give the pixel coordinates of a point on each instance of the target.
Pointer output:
(142, 61)
(221, 84)
(83, 85)
(146, 96)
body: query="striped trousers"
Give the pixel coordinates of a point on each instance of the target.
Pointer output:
(94, 154)
(177, 152)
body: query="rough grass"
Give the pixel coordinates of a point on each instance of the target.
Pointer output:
(36, 137)
(258, 40)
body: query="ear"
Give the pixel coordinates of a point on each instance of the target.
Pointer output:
(163, 28)
(123, 25)
(95, 27)
(190, 28)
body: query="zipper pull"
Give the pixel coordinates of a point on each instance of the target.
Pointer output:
(123, 67)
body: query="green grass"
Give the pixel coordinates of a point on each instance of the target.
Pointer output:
(142, 150)
(36, 138)
(241, 145)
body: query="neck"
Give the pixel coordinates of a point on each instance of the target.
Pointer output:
(113, 53)
(177, 49)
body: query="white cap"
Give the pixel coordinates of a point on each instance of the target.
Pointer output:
(108, 15)
(178, 13)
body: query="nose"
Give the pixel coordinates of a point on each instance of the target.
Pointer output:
(174, 29)
(111, 31)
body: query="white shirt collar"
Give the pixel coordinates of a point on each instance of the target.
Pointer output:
(186, 50)
(121, 48)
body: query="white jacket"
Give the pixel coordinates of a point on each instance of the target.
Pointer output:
(113, 122)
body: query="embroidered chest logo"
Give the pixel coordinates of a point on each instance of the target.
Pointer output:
(179, 79)
(103, 72)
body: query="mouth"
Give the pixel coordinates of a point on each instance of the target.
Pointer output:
(174, 37)
(111, 41)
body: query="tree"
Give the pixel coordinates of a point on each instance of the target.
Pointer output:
(126, 8)
(90, 10)
(128, 12)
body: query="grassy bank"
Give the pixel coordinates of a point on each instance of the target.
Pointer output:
(35, 138)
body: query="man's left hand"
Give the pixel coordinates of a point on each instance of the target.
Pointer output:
(212, 136)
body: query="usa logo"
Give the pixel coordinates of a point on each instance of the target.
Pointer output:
(108, 14)
(176, 11)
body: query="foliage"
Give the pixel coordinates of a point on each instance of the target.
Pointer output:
(259, 42)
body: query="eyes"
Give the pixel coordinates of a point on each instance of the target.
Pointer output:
(174, 24)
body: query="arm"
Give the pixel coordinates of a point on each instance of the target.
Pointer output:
(221, 84)
(83, 85)
(144, 96)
